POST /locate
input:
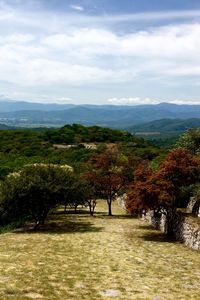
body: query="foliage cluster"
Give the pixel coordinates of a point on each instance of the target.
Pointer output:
(38, 183)
(190, 140)
(160, 190)
(35, 190)
(38, 188)
(70, 134)
(20, 147)
(109, 174)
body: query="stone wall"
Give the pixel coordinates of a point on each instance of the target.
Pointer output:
(194, 206)
(183, 230)
(121, 200)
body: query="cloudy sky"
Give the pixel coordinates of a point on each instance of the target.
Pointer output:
(100, 51)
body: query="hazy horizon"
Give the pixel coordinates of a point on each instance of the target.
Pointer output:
(95, 104)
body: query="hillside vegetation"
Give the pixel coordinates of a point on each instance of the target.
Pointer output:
(20, 147)
(165, 132)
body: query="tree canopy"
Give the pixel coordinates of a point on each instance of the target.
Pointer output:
(35, 190)
(190, 140)
(109, 173)
(159, 190)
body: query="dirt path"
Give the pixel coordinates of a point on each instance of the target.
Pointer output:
(96, 258)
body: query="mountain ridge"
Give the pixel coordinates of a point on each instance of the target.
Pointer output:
(166, 126)
(115, 116)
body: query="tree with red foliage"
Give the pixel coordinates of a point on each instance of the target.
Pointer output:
(108, 174)
(181, 168)
(159, 190)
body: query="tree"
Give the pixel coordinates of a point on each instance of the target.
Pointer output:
(108, 174)
(86, 195)
(71, 191)
(79, 194)
(190, 140)
(34, 191)
(160, 190)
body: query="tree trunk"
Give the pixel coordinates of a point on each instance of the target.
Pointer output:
(91, 210)
(92, 205)
(37, 225)
(169, 222)
(42, 221)
(109, 207)
(169, 229)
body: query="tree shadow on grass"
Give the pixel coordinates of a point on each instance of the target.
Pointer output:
(147, 227)
(125, 216)
(79, 213)
(97, 214)
(113, 217)
(70, 212)
(60, 227)
(158, 237)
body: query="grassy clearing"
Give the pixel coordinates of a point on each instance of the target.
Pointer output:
(82, 257)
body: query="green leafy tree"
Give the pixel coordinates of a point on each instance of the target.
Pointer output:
(35, 190)
(190, 140)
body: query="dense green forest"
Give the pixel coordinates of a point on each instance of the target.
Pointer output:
(164, 132)
(162, 140)
(20, 147)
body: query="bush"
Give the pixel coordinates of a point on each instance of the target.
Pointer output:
(34, 191)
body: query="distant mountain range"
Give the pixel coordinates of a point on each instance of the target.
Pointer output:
(165, 126)
(5, 127)
(36, 114)
(12, 106)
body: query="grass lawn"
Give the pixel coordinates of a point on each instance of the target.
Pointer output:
(81, 257)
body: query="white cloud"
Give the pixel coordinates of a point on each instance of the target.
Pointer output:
(6, 12)
(131, 101)
(87, 38)
(45, 99)
(146, 101)
(88, 55)
(48, 49)
(17, 38)
(97, 55)
(31, 97)
(185, 101)
(25, 71)
(151, 16)
(77, 7)
(184, 71)
(171, 42)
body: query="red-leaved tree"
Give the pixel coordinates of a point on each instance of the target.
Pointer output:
(109, 173)
(159, 190)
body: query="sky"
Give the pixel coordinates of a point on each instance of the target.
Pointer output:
(100, 51)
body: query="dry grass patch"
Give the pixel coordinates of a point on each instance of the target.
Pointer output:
(82, 257)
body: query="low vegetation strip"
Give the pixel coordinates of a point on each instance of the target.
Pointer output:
(82, 257)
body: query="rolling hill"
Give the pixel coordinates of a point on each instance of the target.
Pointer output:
(166, 126)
